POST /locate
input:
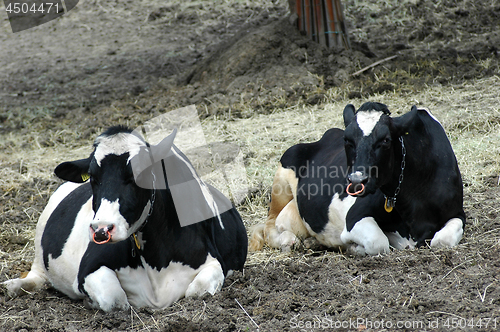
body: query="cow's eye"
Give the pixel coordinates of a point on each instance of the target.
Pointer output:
(385, 143)
(349, 144)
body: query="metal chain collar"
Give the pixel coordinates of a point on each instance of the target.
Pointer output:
(134, 238)
(391, 201)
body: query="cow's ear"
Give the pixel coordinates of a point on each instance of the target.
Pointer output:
(349, 112)
(402, 124)
(74, 171)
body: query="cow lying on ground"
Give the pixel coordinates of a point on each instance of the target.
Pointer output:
(140, 254)
(383, 182)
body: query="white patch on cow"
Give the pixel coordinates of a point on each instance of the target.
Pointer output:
(368, 236)
(449, 235)
(109, 214)
(148, 287)
(367, 121)
(117, 144)
(105, 291)
(204, 188)
(63, 270)
(398, 242)
(37, 276)
(337, 211)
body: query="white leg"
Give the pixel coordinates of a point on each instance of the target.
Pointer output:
(208, 280)
(368, 236)
(449, 235)
(105, 291)
(34, 280)
(288, 228)
(289, 220)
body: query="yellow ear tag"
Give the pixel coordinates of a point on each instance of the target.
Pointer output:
(136, 240)
(387, 208)
(85, 177)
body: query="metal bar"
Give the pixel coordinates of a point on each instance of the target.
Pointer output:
(343, 30)
(298, 10)
(336, 20)
(330, 23)
(307, 16)
(313, 20)
(320, 28)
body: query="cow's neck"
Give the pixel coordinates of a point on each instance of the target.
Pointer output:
(409, 174)
(162, 235)
(158, 227)
(392, 190)
(136, 237)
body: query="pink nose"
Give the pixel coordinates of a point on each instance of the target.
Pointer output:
(102, 234)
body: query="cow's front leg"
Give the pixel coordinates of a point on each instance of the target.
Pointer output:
(367, 236)
(208, 280)
(449, 235)
(105, 291)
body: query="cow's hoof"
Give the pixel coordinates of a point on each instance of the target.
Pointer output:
(12, 288)
(355, 250)
(313, 244)
(288, 241)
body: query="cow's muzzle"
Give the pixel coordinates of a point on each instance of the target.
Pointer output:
(357, 182)
(101, 234)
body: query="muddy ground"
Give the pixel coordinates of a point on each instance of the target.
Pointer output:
(109, 62)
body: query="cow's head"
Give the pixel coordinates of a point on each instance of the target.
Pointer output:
(371, 139)
(120, 205)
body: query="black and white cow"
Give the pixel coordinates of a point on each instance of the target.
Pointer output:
(140, 254)
(383, 182)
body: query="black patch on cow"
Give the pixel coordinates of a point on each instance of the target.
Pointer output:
(116, 130)
(111, 255)
(61, 222)
(190, 245)
(432, 190)
(321, 168)
(370, 105)
(230, 242)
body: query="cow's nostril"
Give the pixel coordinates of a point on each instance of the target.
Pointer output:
(101, 235)
(357, 178)
(357, 182)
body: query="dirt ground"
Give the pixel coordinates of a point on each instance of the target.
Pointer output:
(242, 64)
